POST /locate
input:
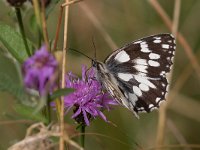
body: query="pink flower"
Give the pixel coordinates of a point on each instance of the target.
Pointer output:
(88, 100)
(39, 69)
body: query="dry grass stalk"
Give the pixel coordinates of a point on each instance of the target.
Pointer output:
(70, 2)
(61, 144)
(40, 140)
(44, 26)
(173, 26)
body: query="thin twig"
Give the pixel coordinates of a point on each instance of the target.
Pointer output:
(61, 147)
(161, 126)
(38, 20)
(174, 31)
(37, 13)
(58, 28)
(98, 25)
(174, 27)
(176, 17)
(189, 53)
(21, 27)
(34, 139)
(60, 20)
(71, 2)
(44, 25)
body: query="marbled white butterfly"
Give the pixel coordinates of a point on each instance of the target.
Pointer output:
(135, 75)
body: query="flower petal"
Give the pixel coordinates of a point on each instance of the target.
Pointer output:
(87, 122)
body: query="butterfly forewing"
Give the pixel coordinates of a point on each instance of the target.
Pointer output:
(139, 71)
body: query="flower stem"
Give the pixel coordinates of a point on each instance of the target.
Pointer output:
(44, 26)
(38, 20)
(39, 37)
(82, 128)
(58, 28)
(21, 27)
(48, 109)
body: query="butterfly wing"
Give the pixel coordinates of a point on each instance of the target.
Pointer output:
(140, 69)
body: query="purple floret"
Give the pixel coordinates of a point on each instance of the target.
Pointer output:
(39, 70)
(88, 100)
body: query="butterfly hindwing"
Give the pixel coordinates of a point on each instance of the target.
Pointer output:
(140, 68)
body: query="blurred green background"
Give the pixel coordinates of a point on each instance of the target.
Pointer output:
(123, 21)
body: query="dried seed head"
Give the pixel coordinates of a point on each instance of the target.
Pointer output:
(46, 2)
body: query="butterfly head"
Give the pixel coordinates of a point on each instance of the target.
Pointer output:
(99, 66)
(94, 63)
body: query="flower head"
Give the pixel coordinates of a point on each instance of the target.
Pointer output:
(16, 3)
(88, 99)
(39, 70)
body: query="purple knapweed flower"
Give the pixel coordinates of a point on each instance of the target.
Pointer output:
(40, 71)
(88, 100)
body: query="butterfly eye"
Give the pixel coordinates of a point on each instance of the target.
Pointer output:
(94, 63)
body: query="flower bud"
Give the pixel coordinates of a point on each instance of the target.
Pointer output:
(16, 3)
(46, 2)
(40, 71)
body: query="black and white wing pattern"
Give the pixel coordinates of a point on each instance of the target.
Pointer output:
(136, 73)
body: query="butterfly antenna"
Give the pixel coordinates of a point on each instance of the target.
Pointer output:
(80, 53)
(95, 54)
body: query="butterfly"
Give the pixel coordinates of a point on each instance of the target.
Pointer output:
(135, 74)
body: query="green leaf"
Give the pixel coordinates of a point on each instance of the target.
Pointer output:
(11, 81)
(17, 90)
(29, 113)
(6, 84)
(13, 41)
(60, 92)
(33, 24)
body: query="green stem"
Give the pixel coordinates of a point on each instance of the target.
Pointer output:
(21, 27)
(48, 108)
(82, 128)
(39, 38)
(38, 20)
